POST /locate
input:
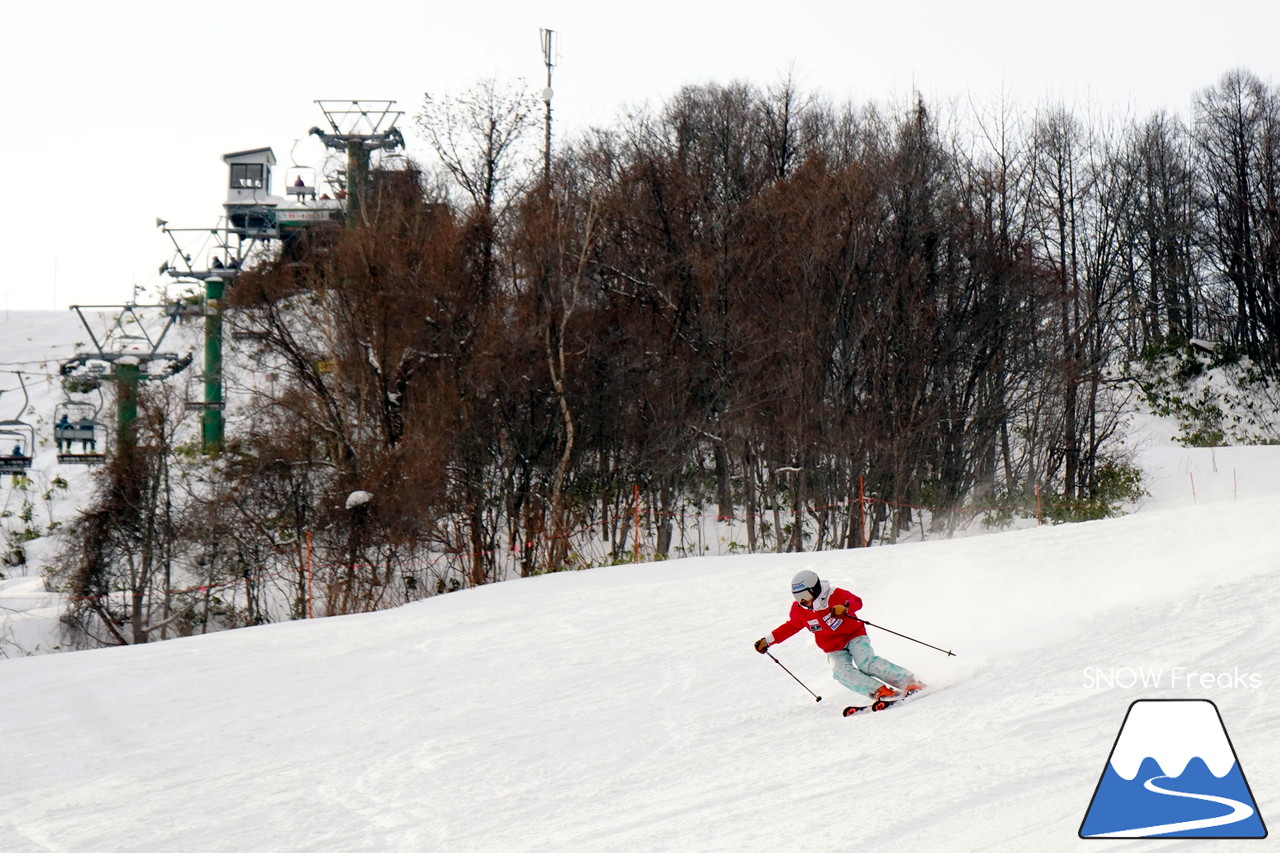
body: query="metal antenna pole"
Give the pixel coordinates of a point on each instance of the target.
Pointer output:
(548, 55)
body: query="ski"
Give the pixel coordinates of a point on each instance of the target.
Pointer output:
(880, 704)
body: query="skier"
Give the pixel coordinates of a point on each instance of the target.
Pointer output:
(828, 612)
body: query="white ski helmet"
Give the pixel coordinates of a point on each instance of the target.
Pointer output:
(805, 586)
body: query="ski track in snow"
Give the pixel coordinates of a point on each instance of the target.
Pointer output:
(624, 709)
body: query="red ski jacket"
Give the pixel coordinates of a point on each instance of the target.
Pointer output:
(832, 633)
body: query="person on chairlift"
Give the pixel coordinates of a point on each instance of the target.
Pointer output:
(64, 424)
(89, 443)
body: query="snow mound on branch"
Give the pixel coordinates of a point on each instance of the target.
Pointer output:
(358, 498)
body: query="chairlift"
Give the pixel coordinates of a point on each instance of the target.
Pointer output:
(299, 180)
(77, 421)
(16, 458)
(300, 183)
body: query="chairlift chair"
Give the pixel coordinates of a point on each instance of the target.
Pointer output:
(300, 183)
(77, 421)
(16, 458)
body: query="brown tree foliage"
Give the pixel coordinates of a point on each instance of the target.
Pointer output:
(748, 305)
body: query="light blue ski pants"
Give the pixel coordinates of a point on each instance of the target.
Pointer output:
(859, 668)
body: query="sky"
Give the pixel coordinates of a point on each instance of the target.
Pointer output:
(119, 114)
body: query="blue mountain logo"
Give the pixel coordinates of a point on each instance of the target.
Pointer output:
(1173, 773)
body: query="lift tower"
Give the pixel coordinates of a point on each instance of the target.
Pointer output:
(359, 128)
(254, 217)
(250, 221)
(128, 354)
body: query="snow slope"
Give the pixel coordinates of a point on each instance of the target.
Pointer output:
(624, 708)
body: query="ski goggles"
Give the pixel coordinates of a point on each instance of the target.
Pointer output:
(802, 594)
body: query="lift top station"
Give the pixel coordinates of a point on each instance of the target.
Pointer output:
(255, 216)
(355, 128)
(249, 203)
(256, 212)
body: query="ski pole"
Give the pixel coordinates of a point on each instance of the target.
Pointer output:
(947, 652)
(793, 675)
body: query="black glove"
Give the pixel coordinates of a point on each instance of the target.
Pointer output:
(761, 645)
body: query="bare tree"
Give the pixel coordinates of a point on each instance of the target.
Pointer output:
(1162, 224)
(116, 560)
(478, 137)
(1235, 130)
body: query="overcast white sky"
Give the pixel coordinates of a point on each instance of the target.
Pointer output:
(117, 113)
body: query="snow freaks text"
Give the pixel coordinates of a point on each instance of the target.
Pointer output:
(1177, 677)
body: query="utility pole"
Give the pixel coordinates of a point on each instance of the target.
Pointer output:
(549, 57)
